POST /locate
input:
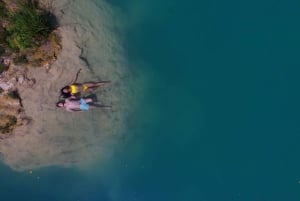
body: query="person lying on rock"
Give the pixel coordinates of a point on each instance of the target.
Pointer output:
(82, 104)
(75, 89)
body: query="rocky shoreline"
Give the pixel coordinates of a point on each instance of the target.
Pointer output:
(15, 64)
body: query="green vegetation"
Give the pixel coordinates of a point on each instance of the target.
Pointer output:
(11, 121)
(2, 9)
(3, 43)
(27, 34)
(27, 27)
(2, 50)
(3, 68)
(20, 59)
(14, 94)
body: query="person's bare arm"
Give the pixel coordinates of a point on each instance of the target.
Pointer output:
(72, 97)
(72, 109)
(76, 77)
(68, 109)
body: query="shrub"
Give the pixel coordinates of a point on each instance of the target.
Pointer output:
(27, 27)
(14, 94)
(3, 67)
(10, 122)
(2, 50)
(20, 59)
(3, 35)
(2, 9)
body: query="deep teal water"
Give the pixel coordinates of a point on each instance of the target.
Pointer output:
(220, 120)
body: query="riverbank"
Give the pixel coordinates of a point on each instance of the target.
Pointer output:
(28, 39)
(55, 137)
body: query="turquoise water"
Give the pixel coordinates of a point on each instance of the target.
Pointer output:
(219, 120)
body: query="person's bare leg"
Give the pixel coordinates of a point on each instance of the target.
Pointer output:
(88, 100)
(96, 105)
(93, 106)
(93, 85)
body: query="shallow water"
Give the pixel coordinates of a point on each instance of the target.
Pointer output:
(217, 111)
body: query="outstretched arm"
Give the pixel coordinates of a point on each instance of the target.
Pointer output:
(68, 109)
(76, 77)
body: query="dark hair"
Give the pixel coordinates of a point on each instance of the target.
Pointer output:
(65, 94)
(61, 101)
